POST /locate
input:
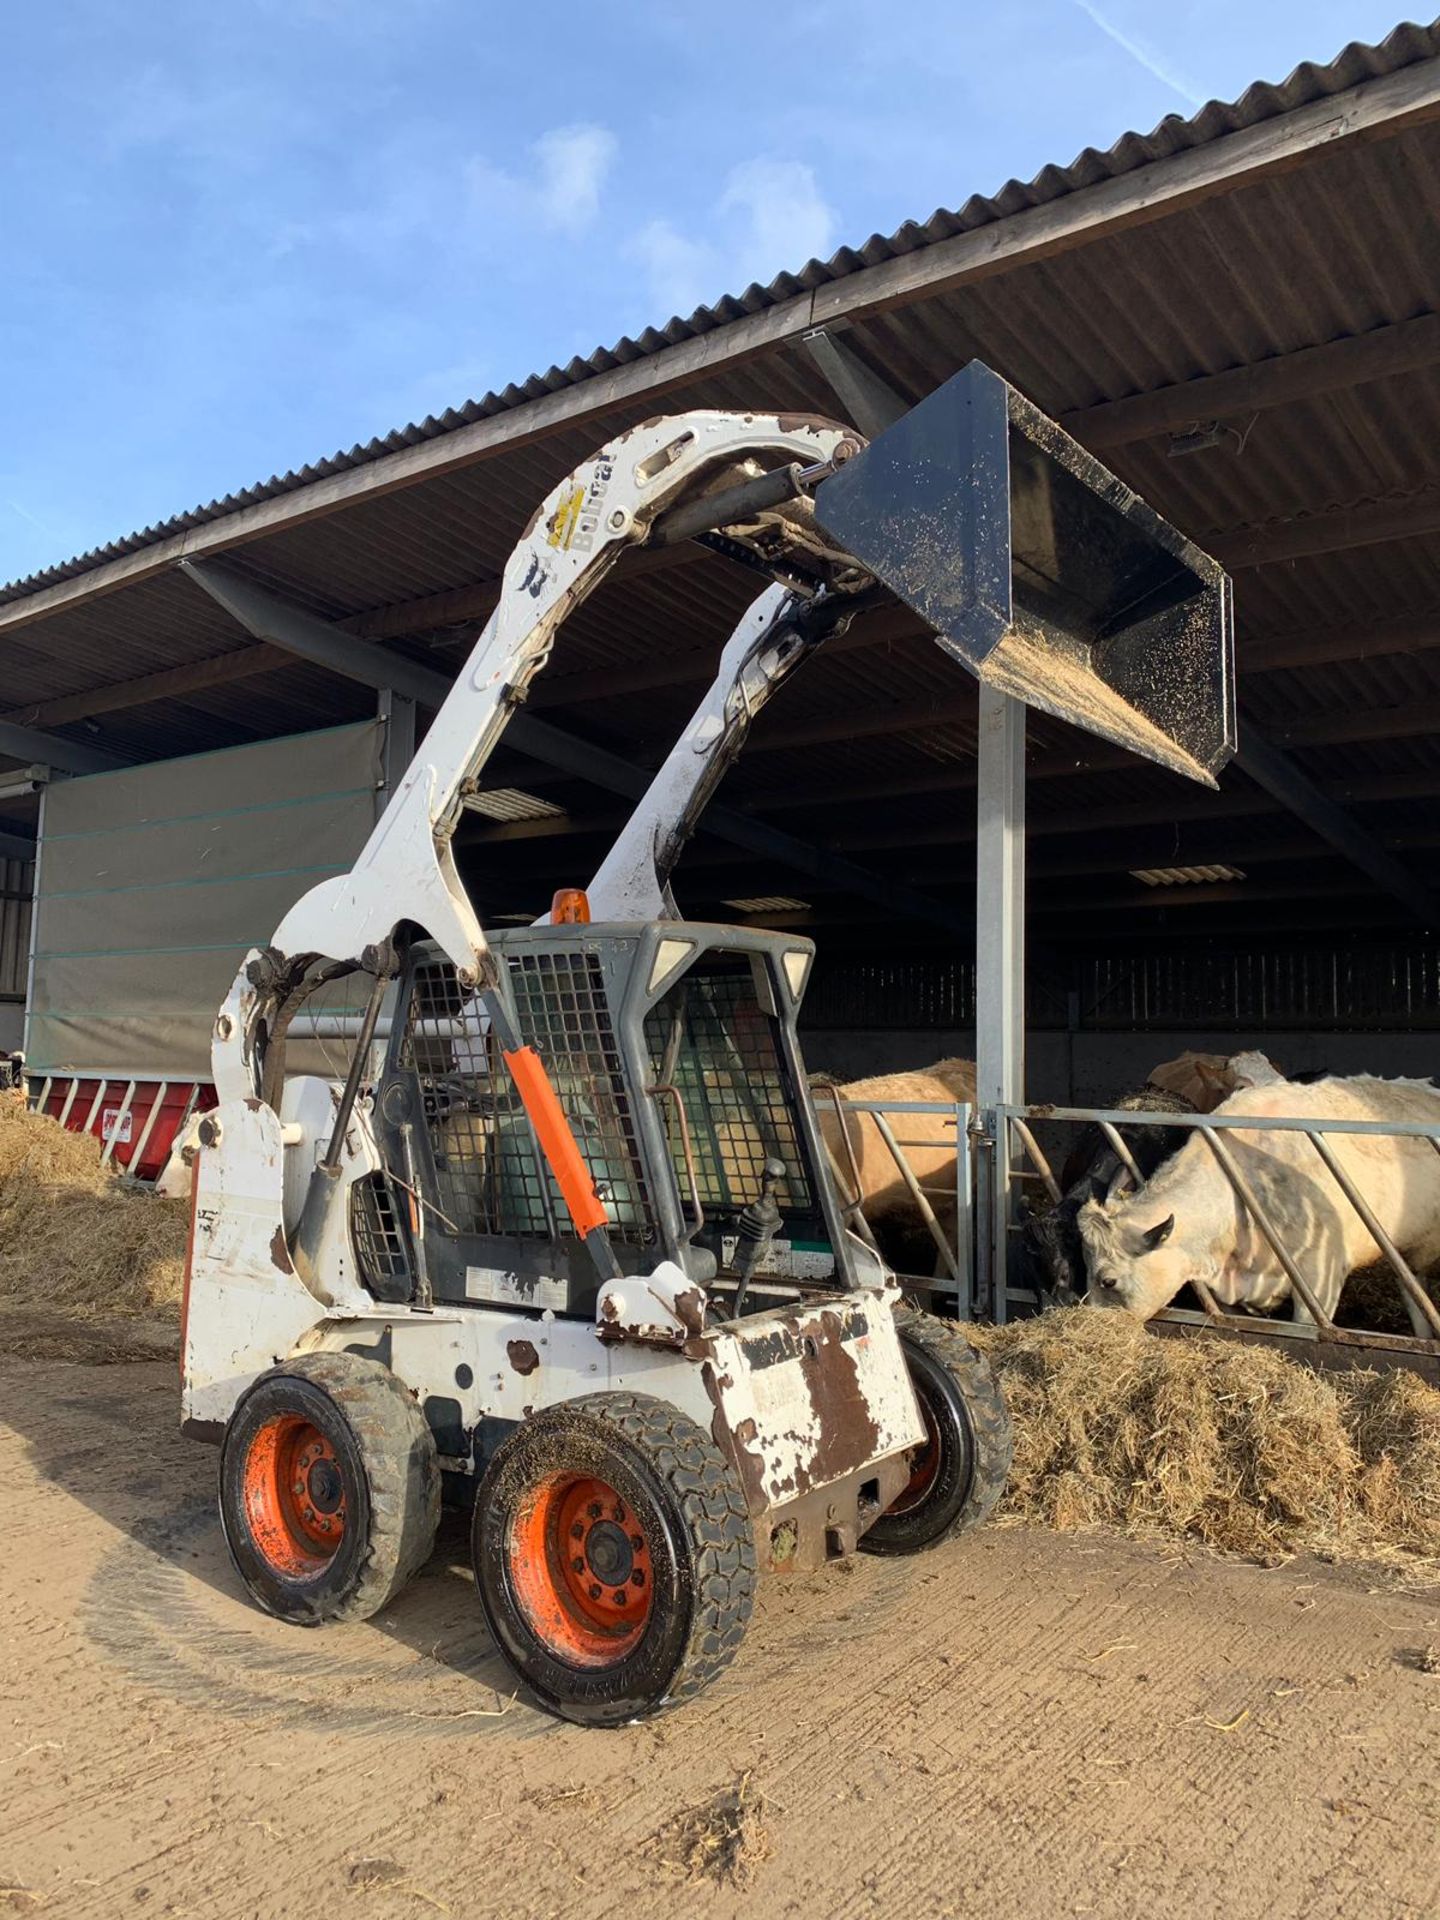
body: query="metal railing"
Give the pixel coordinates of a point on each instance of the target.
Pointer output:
(964, 1211)
(1017, 1155)
(941, 1189)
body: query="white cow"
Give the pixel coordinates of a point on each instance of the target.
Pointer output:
(1186, 1224)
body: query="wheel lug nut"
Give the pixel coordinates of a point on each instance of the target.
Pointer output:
(620, 1596)
(637, 1541)
(594, 1591)
(620, 1511)
(594, 1509)
(637, 1578)
(577, 1532)
(578, 1563)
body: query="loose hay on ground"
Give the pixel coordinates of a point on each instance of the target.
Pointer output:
(1395, 1421)
(723, 1841)
(74, 1235)
(1201, 1437)
(1206, 1438)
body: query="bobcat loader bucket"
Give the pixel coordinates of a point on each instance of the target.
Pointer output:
(1043, 573)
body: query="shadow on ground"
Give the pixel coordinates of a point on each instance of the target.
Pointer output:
(165, 1602)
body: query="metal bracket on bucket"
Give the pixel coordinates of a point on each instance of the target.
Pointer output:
(1043, 573)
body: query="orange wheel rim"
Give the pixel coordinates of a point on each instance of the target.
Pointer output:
(580, 1569)
(924, 1464)
(294, 1496)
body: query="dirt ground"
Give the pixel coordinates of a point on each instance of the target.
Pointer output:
(1023, 1724)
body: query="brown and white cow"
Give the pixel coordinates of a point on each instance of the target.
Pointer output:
(1186, 1224)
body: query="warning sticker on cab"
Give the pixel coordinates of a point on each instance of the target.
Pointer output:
(787, 1259)
(503, 1289)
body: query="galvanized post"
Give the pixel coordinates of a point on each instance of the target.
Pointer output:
(999, 972)
(396, 714)
(964, 1214)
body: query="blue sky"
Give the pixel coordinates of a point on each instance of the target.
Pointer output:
(238, 237)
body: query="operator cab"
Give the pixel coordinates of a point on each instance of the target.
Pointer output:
(671, 1047)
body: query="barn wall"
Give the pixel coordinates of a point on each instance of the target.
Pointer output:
(1100, 1021)
(1091, 1069)
(155, 879)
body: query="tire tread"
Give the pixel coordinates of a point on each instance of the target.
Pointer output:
(705, 1489)
(946, 1343)
(401, 1467)
(711, 1526)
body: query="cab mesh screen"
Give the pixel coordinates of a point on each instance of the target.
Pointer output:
(713, 1041)
(490, 1176)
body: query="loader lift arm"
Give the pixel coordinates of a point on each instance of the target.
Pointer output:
(751, 470)
(1036, 569)
(777, 633)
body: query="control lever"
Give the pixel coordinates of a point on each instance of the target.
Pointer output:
(755, 1229)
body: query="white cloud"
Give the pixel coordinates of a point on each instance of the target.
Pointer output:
(220, 125)
(572, 165)
(563, 189)
(786, 221)
(770, 217)
(435, 197)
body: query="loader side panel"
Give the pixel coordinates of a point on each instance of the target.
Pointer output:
(804, 1400)
(245, 1304)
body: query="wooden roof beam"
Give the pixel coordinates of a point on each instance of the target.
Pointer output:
(1335, 365)
(272, 619)
(1369, 524)
(1278, 774)
(53, 750)
(170, 683)
(885, 626)
(472, 605)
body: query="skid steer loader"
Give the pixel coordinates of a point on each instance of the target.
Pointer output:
(568, 1239)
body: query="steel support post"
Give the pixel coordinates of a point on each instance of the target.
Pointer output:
(396, 714)
(999, 975)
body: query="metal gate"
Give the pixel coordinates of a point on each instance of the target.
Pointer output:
(1015, 1158)
(999, 1166)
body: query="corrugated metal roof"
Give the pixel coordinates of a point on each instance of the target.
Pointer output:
(1405, 46)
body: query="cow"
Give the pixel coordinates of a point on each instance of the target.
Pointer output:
(884, 1196)
(1187, 1225)
(1051, 1255)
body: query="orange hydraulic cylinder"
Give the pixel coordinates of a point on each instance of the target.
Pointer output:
(557, 1142)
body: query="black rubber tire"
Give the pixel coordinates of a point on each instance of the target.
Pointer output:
(969, 1418)
(686, 1498)
(388, 1468)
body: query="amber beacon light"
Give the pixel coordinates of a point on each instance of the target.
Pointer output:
(570, 908)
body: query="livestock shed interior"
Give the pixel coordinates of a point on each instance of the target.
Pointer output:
(1235, 312)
